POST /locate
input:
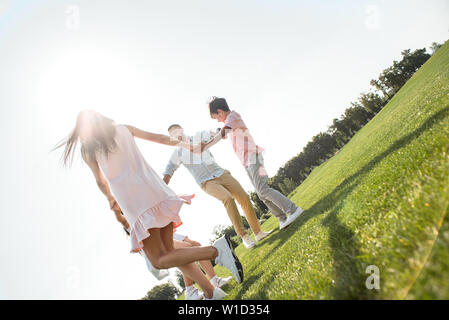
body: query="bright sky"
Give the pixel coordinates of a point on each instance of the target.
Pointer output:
(288, 67)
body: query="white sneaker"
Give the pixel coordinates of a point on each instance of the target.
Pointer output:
(290, 218)
(161, 274)
(227, 258)
(194, 294)
(248, 242)
(218, 295)
(220, 282)
(261, 235)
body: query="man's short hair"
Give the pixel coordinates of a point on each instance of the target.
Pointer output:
(173, 126)
(218, 104)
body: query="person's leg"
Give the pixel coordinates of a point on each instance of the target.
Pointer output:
(160, 251)
(206, 265)
(277, 212)
(275, 201)
(187, 281)
(180, 244)
(191, 270)
(215, 189)
(274, 209)
(177, 257)
(236, 190)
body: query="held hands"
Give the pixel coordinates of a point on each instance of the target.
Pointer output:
(200, 147)
(194, 148)
(197, 148)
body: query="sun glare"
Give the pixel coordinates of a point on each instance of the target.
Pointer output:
(81, 80)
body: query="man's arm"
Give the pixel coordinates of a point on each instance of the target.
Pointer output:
(166, 178)
(172, 166)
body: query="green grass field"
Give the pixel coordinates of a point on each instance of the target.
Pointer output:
(382, 200)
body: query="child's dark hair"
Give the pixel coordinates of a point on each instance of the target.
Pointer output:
(173, 126)
(218, 104)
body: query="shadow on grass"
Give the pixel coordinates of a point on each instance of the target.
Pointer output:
(349, 274)
(245, 286)
(261, 293)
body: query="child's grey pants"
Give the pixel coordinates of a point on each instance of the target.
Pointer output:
(276, 202)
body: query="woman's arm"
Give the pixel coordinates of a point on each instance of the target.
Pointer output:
(121, 218)
(159, 138)
(102, 184)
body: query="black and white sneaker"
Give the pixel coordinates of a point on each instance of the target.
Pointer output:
(227, 258)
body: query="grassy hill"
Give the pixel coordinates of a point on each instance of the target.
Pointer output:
(383, 201)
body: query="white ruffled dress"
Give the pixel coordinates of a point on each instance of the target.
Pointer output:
(146, 201)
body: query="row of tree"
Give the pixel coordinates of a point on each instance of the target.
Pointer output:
(324, 145)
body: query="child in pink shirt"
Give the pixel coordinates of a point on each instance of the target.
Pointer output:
(250, 155)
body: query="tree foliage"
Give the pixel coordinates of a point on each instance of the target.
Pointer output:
(165, 291)
(393, 78)
(180, 279)
(434, 47)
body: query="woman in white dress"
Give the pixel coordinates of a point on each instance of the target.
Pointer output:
(148, 204)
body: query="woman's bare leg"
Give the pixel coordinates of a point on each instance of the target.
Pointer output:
(191, 270)
(180, 244)
(206, 265)
(187, 281)
(159, 249)
(175, 257)
(194, 273)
